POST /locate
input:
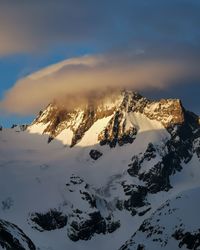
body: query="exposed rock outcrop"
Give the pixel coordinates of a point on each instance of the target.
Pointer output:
(95, 154)
(13, 238)
(85, 219)
(51, 220)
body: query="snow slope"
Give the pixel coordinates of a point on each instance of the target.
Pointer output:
(174, 225)
(34, 174)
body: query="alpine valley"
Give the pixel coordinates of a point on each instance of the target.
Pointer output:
(123, 174)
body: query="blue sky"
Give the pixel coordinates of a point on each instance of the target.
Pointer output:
(35, 34)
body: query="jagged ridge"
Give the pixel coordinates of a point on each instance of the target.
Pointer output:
(57, 118)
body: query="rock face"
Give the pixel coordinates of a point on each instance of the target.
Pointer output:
(169, 227)
(85, 219)
(135, 198)
(168, 159)
(116, 131)
(51, 220)
(187, 239)
(95, 154)
(94, 224)
(13, 238)
(57, 118)
(170, 112)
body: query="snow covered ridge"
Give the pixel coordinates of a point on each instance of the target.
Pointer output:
(109, 177)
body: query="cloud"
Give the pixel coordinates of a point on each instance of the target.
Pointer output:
(78, 79)
(27, 26)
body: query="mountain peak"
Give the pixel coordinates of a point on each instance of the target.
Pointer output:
(115, 109)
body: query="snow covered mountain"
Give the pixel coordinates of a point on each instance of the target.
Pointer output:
(120, 174)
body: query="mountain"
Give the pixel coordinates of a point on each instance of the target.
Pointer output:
(120, 173)
(56, 118)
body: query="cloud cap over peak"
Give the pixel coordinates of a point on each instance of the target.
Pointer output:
(141, 44)
(80, 77)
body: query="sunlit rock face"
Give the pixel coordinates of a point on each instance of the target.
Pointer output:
(119, 129)
(169, 112)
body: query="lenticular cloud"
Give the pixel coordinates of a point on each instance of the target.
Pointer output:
(88, 76)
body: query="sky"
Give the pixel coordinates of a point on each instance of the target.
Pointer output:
(151, 46)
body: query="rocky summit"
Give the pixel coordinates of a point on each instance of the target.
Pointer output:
(57, 118)
(121, 173)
